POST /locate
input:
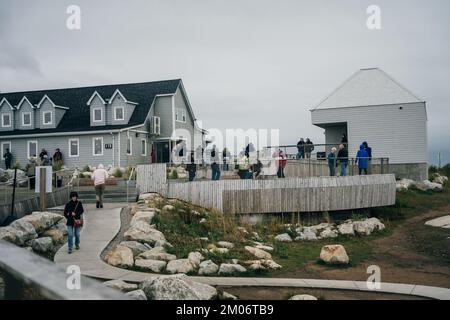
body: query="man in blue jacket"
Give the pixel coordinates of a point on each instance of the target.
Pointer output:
(362, 159)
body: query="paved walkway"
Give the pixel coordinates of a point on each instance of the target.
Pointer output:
(102, 225)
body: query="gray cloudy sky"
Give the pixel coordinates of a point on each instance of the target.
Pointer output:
(245, 64)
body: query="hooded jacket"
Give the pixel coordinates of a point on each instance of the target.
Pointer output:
(362, 157)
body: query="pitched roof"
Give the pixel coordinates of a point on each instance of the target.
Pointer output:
(368, 87)
(77, 117)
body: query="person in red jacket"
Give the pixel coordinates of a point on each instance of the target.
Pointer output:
(281, 162)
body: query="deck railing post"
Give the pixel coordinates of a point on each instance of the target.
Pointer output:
(42, 184)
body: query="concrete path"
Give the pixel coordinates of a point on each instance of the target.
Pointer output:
(102, 225)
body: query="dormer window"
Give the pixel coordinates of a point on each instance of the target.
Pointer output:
(6, 120)
(180, 115)
(98, 114)
(26, 119)
(47, 117)
(119, 113)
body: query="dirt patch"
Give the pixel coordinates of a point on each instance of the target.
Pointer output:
(269, 293)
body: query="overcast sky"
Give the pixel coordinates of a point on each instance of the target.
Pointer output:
(245, 64)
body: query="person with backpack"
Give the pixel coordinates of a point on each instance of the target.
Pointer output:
(73, 212)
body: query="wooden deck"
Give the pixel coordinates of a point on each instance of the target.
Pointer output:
(314, 194)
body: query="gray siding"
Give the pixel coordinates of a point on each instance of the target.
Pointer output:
(136, 156)
(39, 121)
(59, 114)
(400, 135)
(163, 109)
(4, 108)
(181, 103)
(97, 103)
(127, 111)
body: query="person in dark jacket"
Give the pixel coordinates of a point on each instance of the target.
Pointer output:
(57, 157)
(301, 149)
(344, 139)
(369, 153)
(342, 158)
(332, 161)
(256, 169)
(8, 159)
(215, 167)
(309, 147)
(42, 154)
(191, 168)
(73, 212)
(362, 159)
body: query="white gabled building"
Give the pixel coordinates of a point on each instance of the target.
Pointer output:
(371, 106)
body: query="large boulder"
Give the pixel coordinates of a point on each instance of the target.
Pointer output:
(120, 285)
(143, 232)
(146, 216)
(334, 254)
(179, 266)
(367, 226)
(207, 268)
(346, 229)
(158, 253)
(270, 264)
(4, 175)
(29, 233)
(225, 244)
(427, 185)
(56, 234)
(283, 238)
(437, 178)
(136, 295)
(258, 253)
(317, 229)
(42, 221)
(231, 268)
(195, 258)
(441, 222)
(150, 265)
(120, 256)
(303, 297)
(42, 245)
(176, 287)
(307, 234)
(404, 184)
(328, 233)
(263, 247)
(136, 247)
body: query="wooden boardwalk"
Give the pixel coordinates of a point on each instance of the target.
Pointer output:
(314, 194)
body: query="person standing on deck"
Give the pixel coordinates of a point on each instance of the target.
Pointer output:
(309, 148)
(191, 168)
(342, 157)
(332, 161)
(301, 149)
(215, 167)
(226, 157)
(281, 162)
(99, 176)
(58, 157)
(362, 159)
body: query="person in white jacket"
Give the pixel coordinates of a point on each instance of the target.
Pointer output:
(99, 176)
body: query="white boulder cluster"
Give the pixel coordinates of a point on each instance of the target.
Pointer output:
(436, 183)
(330, 230)
(40, 231)
(7, 177)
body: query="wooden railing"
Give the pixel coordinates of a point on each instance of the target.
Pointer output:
(24, 271)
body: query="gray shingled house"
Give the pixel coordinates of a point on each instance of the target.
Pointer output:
(118, 125)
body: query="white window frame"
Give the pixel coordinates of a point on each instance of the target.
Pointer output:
(93, 146)
(183, 115)
(51, 117)
(23, 119)
(144, 154)
(131, 146)
(3, 148)
(70, 147)
(123, 113)
(156, 119)
(28, 148)
(101, 114)
(10, 119)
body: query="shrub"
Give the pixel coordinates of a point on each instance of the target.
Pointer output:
(86, 168)
(174, 174)
(117, 173)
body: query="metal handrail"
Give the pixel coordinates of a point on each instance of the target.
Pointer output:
(133, 169)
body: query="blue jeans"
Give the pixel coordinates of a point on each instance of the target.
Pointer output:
(343, 169)
(332, 170)
(215, 172)
(72, 231)
(301, 155)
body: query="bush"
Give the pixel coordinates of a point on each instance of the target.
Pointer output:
(174, 174)
(86, 168)
(57, 166)
(117, 173)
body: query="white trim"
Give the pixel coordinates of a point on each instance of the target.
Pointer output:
(7, 102)
(183, 113)
(43, 118)
(78, 147)
(93, 147)
(22, 101)
(118, 147)
(131, 146)
(173, 114)
(123, 113)
(10, 119)
(59, 134)
(145, 147)
(23, 119)
(93, 114)
(28, 148)
(110, 100)
(93, 96)
(3, 148)
(51, 101)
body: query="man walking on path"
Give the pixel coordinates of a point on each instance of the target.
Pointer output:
(73, 212)
(99, 176)
(8, 159)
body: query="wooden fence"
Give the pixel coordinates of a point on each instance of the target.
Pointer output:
(313, 194)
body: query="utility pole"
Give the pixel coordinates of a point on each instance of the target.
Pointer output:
(439, 160)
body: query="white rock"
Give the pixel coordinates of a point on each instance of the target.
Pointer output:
(225, 244)
(150, 265)
(135, 246)
(149, 196)
(334, 254)
(163, 243)
(346, 229)
(283, 238)
(42, 245)
(427, 185)
(120, 256)
(264, 247)
(404, 184)
(136, 295)
(242, 229)
(146, 216)
(12, 235)
(143, 232)
(367, 226)
(120, 285)
(228, 268)
(256, 266)
(29, 233)
(42, 221)
(258, 253)
(219, 250)
(270, 264)
(441, 222)
(168, 207)
(328, 233)
(195, 258)
(157, 253)
(228, 296)
(176, 287)
(303, 297)
(207, 268)
(179, 266)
